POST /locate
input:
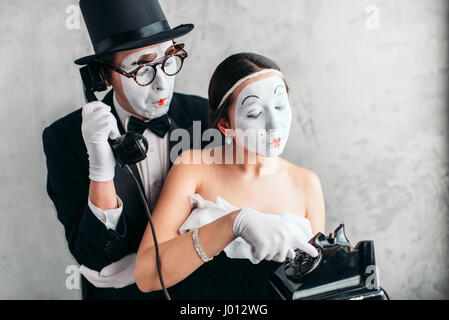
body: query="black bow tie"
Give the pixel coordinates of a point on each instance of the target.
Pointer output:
(158, 126)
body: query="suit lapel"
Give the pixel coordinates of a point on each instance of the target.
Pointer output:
(176, 111)
(171, 144)
(127, 190)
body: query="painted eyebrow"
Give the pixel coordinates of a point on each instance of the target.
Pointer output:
(250, 96)
(279, 86)
(145, 59)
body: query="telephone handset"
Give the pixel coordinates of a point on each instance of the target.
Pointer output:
(129, 148)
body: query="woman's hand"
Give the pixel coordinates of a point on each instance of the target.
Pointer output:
(271, 236)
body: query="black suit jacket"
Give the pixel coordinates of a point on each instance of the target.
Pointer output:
(89, 241)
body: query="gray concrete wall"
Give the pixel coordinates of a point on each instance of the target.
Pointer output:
(368, 83)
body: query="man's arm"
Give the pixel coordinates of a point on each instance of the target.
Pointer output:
(90, 241)
(102, 195)
(104, 203)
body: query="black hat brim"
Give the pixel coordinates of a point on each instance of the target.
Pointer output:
(174, 33)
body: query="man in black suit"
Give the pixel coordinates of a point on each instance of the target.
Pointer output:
(95, 199)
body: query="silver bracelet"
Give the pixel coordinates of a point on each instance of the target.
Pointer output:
(199, 250)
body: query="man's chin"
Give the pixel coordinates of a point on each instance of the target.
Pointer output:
(155, 112)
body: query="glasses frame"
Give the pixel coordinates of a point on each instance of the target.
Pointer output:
(181, 53)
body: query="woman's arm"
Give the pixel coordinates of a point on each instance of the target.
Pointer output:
(177, 252)
(315, 203)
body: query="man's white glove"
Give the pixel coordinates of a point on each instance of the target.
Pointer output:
(271, 236)
(116, 275)
(97, 126)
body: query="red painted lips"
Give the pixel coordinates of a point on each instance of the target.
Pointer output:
(161, 102)
(276, 142)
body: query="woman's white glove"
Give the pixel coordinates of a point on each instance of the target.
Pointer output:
(97, 126)
(271, 236)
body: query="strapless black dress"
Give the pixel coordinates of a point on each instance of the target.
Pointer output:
(228, 279)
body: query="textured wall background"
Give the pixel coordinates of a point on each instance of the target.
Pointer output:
(370, 118)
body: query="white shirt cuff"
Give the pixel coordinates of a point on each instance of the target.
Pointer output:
(109, 217)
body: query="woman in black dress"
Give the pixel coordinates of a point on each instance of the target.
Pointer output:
(282, 204)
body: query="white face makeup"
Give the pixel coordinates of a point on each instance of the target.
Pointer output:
(262, 116)
(153, 100)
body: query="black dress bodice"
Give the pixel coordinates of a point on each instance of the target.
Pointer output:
(224, 278)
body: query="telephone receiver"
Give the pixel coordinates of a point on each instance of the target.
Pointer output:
(129, 148)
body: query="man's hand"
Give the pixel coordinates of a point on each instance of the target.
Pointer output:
(272, 236)
(97, 127)
(116, 275)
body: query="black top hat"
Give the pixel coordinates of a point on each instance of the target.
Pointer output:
(117, 25)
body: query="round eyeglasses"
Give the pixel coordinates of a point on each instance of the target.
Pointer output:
(144, 74)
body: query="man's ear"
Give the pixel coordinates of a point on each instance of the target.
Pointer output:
(223, 125)
(105, 77)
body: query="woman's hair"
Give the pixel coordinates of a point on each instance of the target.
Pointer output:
(231, 70)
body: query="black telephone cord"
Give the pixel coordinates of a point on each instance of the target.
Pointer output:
(144, 200)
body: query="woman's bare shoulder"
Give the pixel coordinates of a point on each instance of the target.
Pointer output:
(199, 161)
(313, 192)
(200, 156)
(302, 175)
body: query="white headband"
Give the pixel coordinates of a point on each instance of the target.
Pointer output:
(252, 75)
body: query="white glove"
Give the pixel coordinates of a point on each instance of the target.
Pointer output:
(98, 125)
(271, 236)
(116, 275)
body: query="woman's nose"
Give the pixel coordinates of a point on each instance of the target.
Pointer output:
(272, 119)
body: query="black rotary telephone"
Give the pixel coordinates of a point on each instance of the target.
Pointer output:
(128, 149)
(339, 272)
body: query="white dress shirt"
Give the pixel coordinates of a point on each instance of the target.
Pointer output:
(152, 170)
